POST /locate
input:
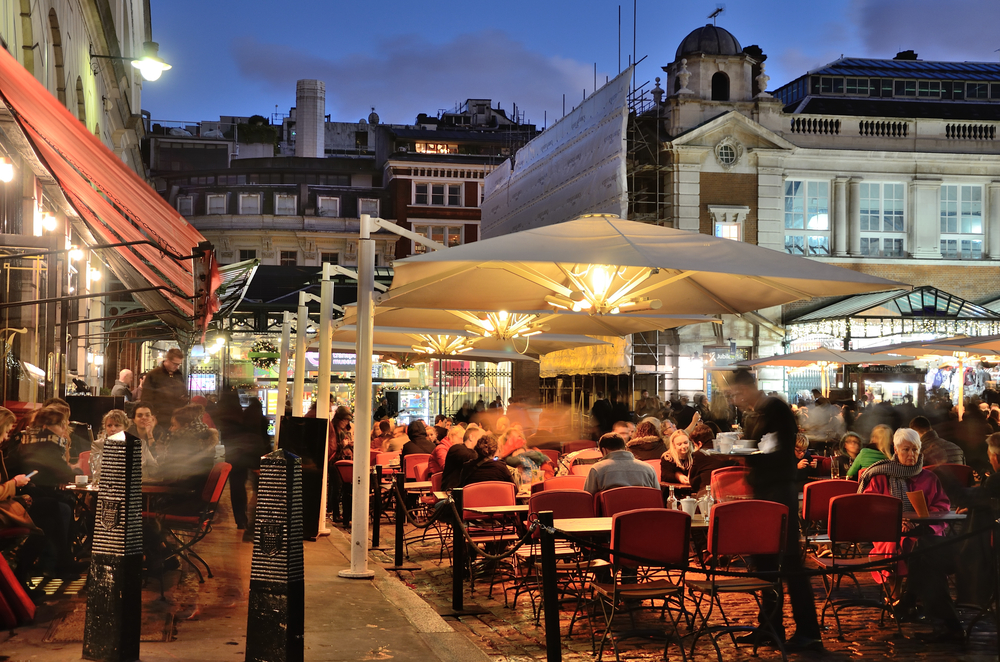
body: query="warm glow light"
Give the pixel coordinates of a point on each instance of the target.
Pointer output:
(48, 221)
(94, 274)
(501, 325)
(442, 344)
(606, 290)
(6, 170)
(150, 65)
(75, 254)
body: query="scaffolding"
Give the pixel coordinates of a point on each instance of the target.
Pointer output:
(646, 164)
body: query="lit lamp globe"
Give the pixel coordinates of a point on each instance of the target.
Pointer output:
(150, 65)
(6, 170)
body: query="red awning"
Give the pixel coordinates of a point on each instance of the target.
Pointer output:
(116, 204)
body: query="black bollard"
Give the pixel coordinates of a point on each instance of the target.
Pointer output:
(996, 574)
(377, 509)
(458, 562)
(400, 521)
(114, 601)
(276, 618)
(550, 597)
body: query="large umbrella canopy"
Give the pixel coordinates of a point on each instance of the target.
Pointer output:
(603, 264)
(553, 321)
(824, 355)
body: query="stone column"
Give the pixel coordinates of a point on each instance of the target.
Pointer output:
(926, 219)
(840, 216)
(993, 220)
(854, 215)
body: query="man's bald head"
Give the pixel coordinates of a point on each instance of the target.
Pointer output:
(125, 376)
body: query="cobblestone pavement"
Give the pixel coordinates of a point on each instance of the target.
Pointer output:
(511, 634)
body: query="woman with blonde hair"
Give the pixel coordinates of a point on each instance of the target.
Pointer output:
(879, 448)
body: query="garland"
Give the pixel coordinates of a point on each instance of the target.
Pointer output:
(264, 348)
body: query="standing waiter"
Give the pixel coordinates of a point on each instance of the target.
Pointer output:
(772, 478)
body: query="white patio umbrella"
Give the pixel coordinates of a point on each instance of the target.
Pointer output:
(823, 358)
(608, 266)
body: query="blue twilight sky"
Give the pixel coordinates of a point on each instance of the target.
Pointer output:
(242, 57)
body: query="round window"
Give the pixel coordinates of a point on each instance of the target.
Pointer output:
(726, 154)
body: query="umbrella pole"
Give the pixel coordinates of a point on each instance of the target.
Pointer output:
(286, 342)
(961, 388)
(323, 387)
(362, 405)
(299, 385)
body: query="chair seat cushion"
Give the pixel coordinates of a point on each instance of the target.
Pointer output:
(828, 562)
(657, 588)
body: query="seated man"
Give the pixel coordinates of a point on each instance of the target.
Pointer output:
(457, 455)
(485, 468)
(935, 449)
(619, 468)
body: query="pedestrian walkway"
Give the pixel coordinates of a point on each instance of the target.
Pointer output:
(345, 619)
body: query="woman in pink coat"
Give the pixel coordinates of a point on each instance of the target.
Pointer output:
(927, 573)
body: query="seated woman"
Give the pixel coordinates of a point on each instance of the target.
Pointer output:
(682, 464)
(484, 467)
(850, 447)
(13, 514)
(927, 573)
(115, 422)
(879, 448)
(646, 443)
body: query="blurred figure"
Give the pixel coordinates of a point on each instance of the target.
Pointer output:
(484, 468)
(879, 448)
(190, 449)
(121, 388)
(601, 414)
(646, 444)
(341, 447)
(165, 388)
(383, 435)
(419, 441)
(14, 515)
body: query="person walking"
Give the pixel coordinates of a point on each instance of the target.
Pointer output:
(773, 478)
(164, 388)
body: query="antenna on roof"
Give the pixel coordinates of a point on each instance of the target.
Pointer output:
(719, 8)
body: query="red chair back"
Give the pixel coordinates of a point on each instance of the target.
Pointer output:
(745, 527)
(656, 467)
(816, 497)
(730, 483)
(960, 472)
(564, 504)
(373, 457)
(384, 459)
(346, 470)
(552, 454)
(583, 444)
(422, 471)
(825, 463)
(859, 518)
(619, 499)
(216, 482)
(568, 482)
(662, 536)
(436, 481)
(488, 493)
(410, 462)
(580, 470)
(84, 463)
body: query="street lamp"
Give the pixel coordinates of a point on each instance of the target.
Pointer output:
(149, 65)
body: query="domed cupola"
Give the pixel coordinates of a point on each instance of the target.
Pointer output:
(710, 65)
(709, 40)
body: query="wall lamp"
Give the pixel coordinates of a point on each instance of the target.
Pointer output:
(149, 65)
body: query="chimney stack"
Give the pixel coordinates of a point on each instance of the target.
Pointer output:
(310, 110)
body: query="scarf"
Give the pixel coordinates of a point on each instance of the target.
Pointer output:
(897, 475)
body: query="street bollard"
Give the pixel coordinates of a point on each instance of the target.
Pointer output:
(550, 596)
(377, 509)
(400, 521)
(459, 556)
(276, 618)
(114, 600)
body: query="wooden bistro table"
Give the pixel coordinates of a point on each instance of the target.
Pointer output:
(590, 526)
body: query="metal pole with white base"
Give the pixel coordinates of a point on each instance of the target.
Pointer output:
(299, 385)
(323, 379)
(286, 345)
(362, 405)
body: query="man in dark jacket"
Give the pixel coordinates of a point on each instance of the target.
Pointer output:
(458, 455)
(419, 441)
(164, 387)
(121, 388)
(484, 468)
(772, 477)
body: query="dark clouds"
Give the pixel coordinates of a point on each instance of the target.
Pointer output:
(954, 30)
(410, 75)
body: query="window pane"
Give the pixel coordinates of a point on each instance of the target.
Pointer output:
(421, 195)
(795, 245)
(454, 236)
(819, 246)
(454, 195)
(437, 194)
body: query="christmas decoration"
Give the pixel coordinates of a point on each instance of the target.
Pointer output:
(263, 354)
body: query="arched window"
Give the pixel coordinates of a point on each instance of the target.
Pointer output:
(720, 87)
(57, 57)
(81, 104)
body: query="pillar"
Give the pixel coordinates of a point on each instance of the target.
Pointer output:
(840, 216)
(854, 215)
(926, 219)
(993, 220)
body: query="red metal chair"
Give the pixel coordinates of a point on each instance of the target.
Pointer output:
(422, 472)
(564, 503)
(960, 473)
(346, 470)
(408, 464)
(580, 470)
(568, 482)
(661, 538)
(550, 453)
(860, 519)
(729, 483)
(619, 499)
(581, 445)
(488, 493)
(741, 528)
(825, 463)
(84, 462)
(816, 505)
(656, 467)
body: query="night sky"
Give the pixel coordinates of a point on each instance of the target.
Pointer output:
(242, 57)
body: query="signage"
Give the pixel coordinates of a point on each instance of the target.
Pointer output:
(893, 370)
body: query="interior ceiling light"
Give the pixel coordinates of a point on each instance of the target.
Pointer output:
(606, 290)
(501, 325)
(48, 221)
(6, 170)
(442, 344)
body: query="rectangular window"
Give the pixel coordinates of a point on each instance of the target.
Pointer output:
(732, 231)
(289, 258)
(443, 234)
(215, 203)
(185, 205)
(436, 148)
(420, 194)
(928, 88)
(329, 258)
(962, 222)
(454, 195)
(327, 206)
(248, 254)
(437, 195)
(367, 206)
(857, 86)
(995, 90)
(285, 205)
(906, 88)
(882, 219)
(977, 91)
(831, 85)
(807, 218)
(249, 203)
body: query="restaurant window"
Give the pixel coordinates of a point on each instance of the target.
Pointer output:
(249, 203)
(185, 205)
(248, 254)
(289, 258)
(883, 221)
(443, 234)
(285, 204)
(329, 258)
(807, 218)
(367, 206)
(328, 206)
(962, 222)
(215, 203)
